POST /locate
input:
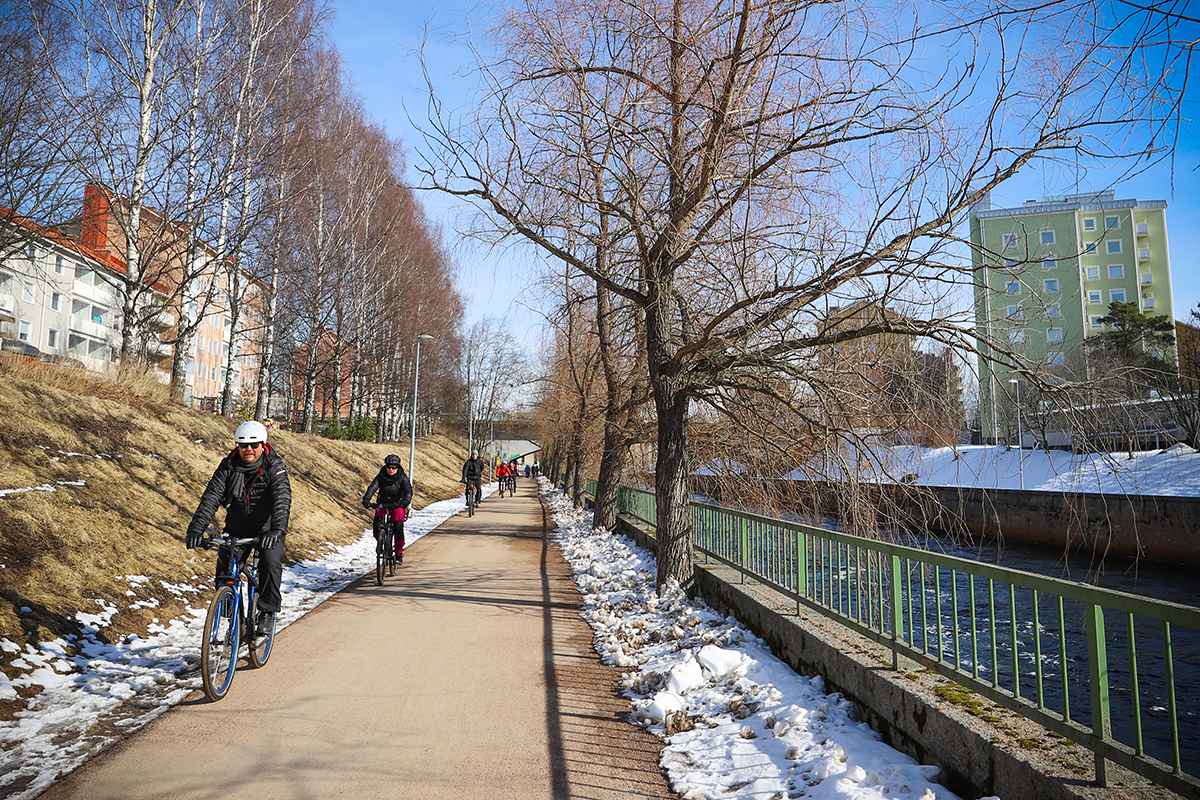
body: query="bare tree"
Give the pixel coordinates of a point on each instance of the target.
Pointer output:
(770, 159)
(37, 188)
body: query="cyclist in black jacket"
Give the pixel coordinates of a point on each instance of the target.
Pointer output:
(395, 496)
(472, 473)
(252, 484)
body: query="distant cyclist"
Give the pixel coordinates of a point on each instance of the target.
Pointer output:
(395, 496)
(252, 484)
(472, 474)
(502, 474)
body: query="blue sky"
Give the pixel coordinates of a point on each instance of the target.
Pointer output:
(377, 40)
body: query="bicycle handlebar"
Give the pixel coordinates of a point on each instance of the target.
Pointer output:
(209, 544)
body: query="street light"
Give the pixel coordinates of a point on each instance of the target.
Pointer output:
(1020, 452)
(412, 433)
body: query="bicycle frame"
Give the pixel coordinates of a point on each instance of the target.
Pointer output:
(222, 646)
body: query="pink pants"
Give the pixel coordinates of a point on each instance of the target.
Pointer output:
(398, 528)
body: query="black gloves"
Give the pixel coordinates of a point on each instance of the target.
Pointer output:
(269, 540)
(194, 538)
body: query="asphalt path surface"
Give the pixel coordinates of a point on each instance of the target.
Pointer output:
(469, 674)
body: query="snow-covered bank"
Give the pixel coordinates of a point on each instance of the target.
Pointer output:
(1173, 472)
(737, 721)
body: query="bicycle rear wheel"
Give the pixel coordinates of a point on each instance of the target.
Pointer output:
(218, 654)
(259, 649)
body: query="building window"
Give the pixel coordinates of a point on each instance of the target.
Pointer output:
(1089, 224)
(1094, 297)
(1050, 285)
(27, 291)
(25, 330)
(58, 264)
(1093, 273)
(1047, 237)
(1016, 312)
(6, 283)
(1116, 272)
(1148, 303)
(1054, 309)
(1012, 287)
(1008, 240)
(1116, 296)
(1054, 335)
(1089, 248)
(55, 301)
(1049, 263)
(1016, 336)
(32, 251)
(1010, 262)
(1112, 223)
(1055, 359)
(52, 339)
(1112, 247)
(1096, 323)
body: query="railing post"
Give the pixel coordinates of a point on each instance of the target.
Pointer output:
(744, 547)
(801, 567)
(897, 611)
(1098, 672)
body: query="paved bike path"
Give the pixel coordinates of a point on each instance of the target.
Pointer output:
(468, 675)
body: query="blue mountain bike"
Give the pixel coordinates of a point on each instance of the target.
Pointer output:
(232, 616)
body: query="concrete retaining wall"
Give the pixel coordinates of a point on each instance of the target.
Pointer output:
(982, 749)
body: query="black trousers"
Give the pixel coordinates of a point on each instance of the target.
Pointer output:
(270, 572)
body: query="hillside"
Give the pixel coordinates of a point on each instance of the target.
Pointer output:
(99, 479)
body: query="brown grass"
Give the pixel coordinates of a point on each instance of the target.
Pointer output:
(143, 462)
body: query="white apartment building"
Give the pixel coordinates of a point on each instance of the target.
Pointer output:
(59, 300)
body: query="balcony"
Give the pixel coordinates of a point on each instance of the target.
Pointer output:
(86, 327)
(1142, 230)
(1147, 279)
(1143, 254)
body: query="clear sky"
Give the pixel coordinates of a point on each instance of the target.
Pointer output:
(377, 40)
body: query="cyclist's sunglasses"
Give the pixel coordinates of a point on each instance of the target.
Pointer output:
(391, 466)
(249, 445)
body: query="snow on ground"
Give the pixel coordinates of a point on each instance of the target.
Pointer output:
(737, 722)
(1174, 471)
(110, 690)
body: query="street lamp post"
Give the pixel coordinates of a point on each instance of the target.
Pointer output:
(412, 433)
(1020, 452)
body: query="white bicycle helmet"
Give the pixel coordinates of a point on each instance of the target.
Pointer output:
(250, 432)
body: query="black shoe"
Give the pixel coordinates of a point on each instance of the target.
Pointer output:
(266, 623)
(399, 558)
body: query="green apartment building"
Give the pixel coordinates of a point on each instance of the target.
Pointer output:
(1045, 273)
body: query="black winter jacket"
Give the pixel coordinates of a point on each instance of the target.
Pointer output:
(394, 491)
(473, 470)
(265, 505)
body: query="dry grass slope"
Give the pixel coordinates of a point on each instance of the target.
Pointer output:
(127, 467)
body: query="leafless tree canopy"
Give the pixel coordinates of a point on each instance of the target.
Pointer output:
(739, 171)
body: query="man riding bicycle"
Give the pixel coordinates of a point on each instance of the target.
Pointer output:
(395, 496)
(252, 483)
(472, 474)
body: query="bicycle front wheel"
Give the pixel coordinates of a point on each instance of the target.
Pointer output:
(260, 647)
(218, 654)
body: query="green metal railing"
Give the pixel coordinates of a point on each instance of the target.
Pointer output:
(1097, 666)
